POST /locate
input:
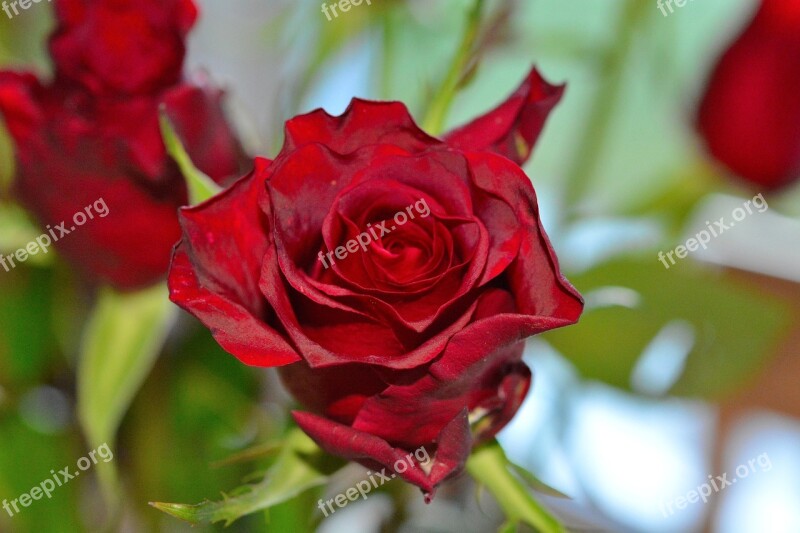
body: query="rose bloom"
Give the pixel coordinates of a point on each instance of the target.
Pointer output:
(414, 339)
(749, 116)
(93, 132)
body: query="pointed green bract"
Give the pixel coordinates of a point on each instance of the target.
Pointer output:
(300, 466)
(200, 186)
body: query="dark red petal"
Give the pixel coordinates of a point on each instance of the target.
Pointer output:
(216, 269)
(363, 123)
(323, 329)
(453, 445)
(336, 392)
(234, 327)
(303, 186)
(200, 122)
(539, 288)
(471, 374)
(512, 128)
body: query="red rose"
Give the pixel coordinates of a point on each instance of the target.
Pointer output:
(749, 116)
(93, 134)
(393, 274)
(121, 46)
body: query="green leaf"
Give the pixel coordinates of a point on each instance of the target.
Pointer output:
(734, 326)
(121, 340)
(200, 186)
(300, 466)
(489, 465)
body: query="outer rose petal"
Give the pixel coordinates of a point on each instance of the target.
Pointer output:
(237, 330)
(337, 392)
(512, 128)
(453, 445)
(215, 271)
(749, 116)
(539, 287)
(363, 123)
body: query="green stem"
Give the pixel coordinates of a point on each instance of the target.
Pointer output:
(489, 465)
(388, 58)
(592, 144)
(440, 104)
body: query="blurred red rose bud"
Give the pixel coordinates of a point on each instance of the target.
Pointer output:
(749, 116)
(92, 134)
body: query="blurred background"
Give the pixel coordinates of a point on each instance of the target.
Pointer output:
(672, 376)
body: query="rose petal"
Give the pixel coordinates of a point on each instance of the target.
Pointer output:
(453, 445)
(336, 392)
(216, 269)
(540, 289)
(364, 123)
(471, 372)
(512, 128)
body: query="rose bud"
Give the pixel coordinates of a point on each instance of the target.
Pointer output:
(92, 137)
(749, 116)
(391, 275)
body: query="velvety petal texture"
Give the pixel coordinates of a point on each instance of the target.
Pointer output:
(749, 115)
(392, 276)
(93, 134)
